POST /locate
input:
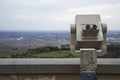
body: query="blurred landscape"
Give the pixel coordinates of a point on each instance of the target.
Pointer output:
(47, 44)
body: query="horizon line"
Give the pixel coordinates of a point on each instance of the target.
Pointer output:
(42, 30)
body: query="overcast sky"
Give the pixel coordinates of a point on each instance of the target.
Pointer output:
(55, 14)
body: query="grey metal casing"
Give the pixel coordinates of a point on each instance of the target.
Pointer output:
(88, 42)
(77, 39)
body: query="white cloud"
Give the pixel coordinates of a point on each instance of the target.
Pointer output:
(108, 12)
(55, 14)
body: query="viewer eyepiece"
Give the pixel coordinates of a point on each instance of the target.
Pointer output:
(87, 27)
(94, 27)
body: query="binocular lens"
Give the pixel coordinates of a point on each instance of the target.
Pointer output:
(94, 27)
(87, 27)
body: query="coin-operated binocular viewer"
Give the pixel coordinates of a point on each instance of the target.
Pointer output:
(88, 39)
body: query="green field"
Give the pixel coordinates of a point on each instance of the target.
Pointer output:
(12, 51)
(54, 54)
(51, 54)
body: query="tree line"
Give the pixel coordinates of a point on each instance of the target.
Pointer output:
(113, 51)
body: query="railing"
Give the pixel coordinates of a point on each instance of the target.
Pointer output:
(54, 65)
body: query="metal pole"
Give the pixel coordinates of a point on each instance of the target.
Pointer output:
(88, 65)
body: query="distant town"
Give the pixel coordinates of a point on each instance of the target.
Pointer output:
(26, 40)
